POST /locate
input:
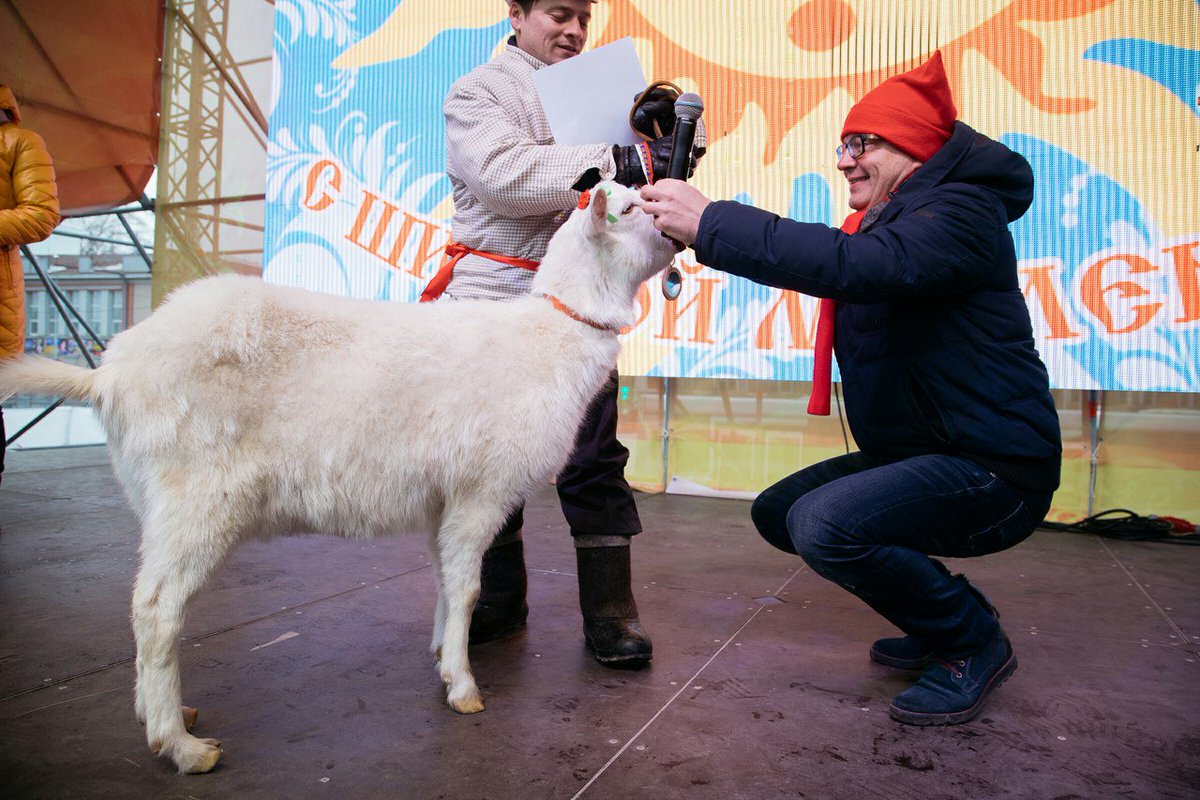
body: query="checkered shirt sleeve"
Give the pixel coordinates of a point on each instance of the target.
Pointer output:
(512, 183)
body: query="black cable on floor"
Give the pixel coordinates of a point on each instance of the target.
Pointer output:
(1121, 523)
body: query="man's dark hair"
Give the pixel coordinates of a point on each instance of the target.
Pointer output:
(528, 4)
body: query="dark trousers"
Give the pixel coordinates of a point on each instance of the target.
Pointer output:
(870, 525)
(3, 441)
(595, 497)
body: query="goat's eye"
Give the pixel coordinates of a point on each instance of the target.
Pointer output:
(628, 210)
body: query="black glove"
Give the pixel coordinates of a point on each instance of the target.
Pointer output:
(631, 161)
(653, 113)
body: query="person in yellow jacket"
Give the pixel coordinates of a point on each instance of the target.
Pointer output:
(28, 213)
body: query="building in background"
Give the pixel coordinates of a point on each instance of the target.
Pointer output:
(109, 290)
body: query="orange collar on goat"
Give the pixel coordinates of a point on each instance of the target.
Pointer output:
(575, 315)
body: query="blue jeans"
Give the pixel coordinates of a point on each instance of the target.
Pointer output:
(871, 524)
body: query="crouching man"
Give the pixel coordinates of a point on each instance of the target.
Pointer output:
(513, 188)
(945, 392)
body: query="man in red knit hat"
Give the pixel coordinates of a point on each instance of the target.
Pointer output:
(948, 400)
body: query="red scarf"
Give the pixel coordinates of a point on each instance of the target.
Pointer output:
(818, 401)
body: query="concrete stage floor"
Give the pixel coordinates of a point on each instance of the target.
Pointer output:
(308, 657)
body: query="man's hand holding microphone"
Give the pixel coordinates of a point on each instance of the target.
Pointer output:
(675, 206)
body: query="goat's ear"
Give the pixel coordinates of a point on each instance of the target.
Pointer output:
(598, 210)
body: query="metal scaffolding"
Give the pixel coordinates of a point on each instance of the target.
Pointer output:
(209, 108)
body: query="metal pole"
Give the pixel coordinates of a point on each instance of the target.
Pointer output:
(137, 243)
(33, 422)
(1095, 412)
(666, 432)
(90, 238)
(130, 210)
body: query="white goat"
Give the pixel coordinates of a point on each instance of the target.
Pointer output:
(240, 409)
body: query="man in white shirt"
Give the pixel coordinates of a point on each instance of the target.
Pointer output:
(513, 188)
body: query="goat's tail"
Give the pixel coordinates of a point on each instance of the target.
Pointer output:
(37, 375)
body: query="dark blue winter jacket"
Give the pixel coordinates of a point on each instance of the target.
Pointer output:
(933, 337)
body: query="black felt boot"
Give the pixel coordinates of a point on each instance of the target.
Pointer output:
(610, 617)
(501, 609)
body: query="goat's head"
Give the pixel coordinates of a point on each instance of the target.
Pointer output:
(607, 249)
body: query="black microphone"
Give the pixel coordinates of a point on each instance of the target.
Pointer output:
(688, 109)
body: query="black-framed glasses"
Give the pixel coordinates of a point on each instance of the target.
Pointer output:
(856, 145)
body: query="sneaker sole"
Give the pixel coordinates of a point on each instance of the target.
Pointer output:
(957, 717)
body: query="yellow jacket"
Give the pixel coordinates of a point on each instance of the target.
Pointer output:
(28, 213)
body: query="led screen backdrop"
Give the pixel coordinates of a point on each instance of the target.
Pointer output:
(1101, 96)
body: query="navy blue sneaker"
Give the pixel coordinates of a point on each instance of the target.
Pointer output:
(910, 652)
(902, 652)
(953, 691)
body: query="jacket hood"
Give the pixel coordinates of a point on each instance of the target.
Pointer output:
(8, 101)
(970, 157)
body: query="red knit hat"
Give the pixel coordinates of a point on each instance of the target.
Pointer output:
(912, 110)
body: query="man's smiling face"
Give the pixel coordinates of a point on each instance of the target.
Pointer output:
(880, 169)
(553, 30)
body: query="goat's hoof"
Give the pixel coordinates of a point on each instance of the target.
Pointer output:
(204, 757)
(189, 717)
(471, 703)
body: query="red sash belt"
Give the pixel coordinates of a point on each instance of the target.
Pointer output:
(456, 251)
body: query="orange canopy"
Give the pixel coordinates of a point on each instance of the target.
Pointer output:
(86, 75)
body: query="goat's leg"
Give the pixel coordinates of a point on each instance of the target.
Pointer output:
(173, 568)
(439, 617)
(464, 534)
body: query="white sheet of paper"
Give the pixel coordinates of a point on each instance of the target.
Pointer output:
(587, 98)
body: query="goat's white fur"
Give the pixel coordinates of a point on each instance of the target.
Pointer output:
(241, 409)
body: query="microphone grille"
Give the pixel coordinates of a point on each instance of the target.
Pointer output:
(689, 106)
